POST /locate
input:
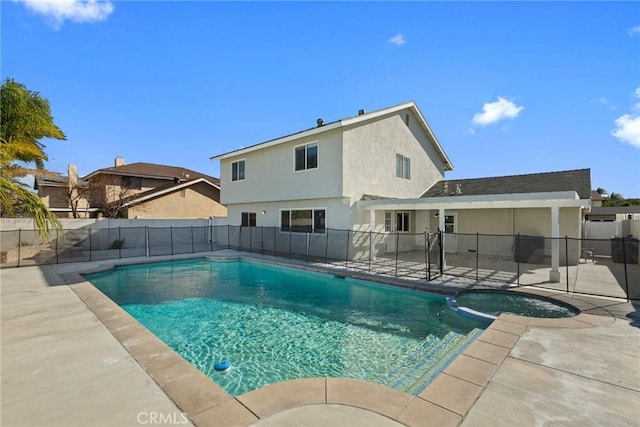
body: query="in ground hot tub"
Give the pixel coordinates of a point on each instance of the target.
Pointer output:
(488, 304)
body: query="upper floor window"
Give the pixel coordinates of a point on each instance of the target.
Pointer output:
(131, 182)
(306, 156)
(237, 170)
(403, 167)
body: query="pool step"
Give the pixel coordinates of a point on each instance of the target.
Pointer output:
(418, 369)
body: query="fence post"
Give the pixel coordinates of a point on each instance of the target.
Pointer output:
(426, 255)
(307, 249)
(326, 245)
(477, 255)
(624, 259)
(19, 245)
(370, 248)
(171, 238)
(346, 257)
(211, 229)
(147, 248)
(517, 260)
(397, 250)
(566, 258)
(119, 243)
(441, 252)
(428, 258)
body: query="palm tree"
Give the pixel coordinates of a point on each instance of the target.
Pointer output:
(25, 118)
(601, 191)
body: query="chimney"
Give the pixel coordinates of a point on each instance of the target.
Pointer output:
(361, 112)
(119, 161)
(320, 122)
(72, 175)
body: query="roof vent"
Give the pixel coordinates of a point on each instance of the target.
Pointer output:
(361, 112)
(320, 122)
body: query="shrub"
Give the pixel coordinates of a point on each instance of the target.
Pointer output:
(117, 244)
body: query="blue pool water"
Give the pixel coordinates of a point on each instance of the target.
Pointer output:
(275, 323)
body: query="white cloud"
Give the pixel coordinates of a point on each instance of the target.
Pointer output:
(493, 112)
(628, 129)
(398, 40)
(73, 10)
(628, 125)
(633, 31)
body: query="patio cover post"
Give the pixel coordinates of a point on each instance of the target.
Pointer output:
(554, 274)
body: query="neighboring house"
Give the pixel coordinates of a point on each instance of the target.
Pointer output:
(613, 213)
(149, 191)
(384, 171)
(65, 196)
(596, 199)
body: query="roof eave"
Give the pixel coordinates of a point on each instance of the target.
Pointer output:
(271, 143)
(169, 190)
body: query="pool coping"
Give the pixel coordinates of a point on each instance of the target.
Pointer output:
(446, 400)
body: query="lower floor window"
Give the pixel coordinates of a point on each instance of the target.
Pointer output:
(248, 219)
(402, 221)
(387, 222)
(303, 220)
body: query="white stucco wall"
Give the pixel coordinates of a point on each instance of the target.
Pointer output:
(370, 158)
(270, 175)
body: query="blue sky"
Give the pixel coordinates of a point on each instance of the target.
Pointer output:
(507, 87)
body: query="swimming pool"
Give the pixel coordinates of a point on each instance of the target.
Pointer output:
(275, 323)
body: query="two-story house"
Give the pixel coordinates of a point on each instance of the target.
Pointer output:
(384, 171)
(138, 190)
(313, 179)
(65, 196)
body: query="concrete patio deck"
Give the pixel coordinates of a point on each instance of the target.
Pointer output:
(72, 357)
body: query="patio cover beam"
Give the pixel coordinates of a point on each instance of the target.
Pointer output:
(560, 199)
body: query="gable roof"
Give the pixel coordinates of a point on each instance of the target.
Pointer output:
(349, 121)
(51, 180)
(165, 189)
(151, 170)
(578, 180)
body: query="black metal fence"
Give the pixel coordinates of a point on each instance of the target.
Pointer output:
(606, 267)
